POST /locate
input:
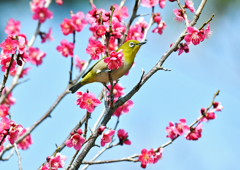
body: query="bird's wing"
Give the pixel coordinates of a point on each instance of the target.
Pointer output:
(93, 66)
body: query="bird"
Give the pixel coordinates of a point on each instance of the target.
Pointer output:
(99, 71)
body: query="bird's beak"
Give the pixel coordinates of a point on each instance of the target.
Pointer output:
(141, 43)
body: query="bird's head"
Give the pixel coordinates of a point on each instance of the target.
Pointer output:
(130, 49)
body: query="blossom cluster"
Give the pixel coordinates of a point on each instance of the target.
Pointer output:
(150, 157)
(99, 26)
(114, 61)
(54, 162)
(179, 129)
(76, 140)
(87, 101)
(40, 12)
(10, 130)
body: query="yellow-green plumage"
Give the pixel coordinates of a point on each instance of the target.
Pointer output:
(97, 73)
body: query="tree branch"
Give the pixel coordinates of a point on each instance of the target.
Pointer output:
(19, 157)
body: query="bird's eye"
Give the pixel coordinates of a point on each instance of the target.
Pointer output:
(131, 44)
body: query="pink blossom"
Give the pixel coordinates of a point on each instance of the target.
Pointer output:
(75, 141)
(47, 36)
(179, 15)
(59, 2)
(118, 30)
(189, 5)
(92, 15)
(22, 42)
(41, 14)
(183, 47)
(195, 133)
(36, 4)
(117, 90)
(157, 155)
(217, 106)
(210, 115)
(124, 108)
(181, 127)
(146, 157)
(136, 31)
(66, 26)
(101, 30)
(88, 101)
(9, 100)
(14, 132)
(123, 137)
(95, 48)
(207, 31)
(149, 3)
(161, 26)
(194, 35)
(112, 44)
(120, 13)
(78, 21)
(115, 60)
(3, 110)
(57, 161)
(4, 124)
(12, 27)
(5, 62)
(79, 63)
(171, 130)
(23, 73)
(66, 48)
(9, 46)
(26, 142)
(35, 56)
(107, 137)
(162, 3)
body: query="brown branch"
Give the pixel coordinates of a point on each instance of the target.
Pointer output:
(86, 124)
(134, 15)
(71, 66)
(19, 157)
(9, 156)
(5, 77)
(122, 3)
(204, 24)
(110, 161)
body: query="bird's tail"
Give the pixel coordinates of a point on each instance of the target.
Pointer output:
(75, 87)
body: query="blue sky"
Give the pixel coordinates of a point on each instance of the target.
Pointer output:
(166, 96)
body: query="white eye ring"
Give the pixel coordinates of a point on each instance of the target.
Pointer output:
(131, 44)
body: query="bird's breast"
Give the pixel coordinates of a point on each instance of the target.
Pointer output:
(102, 76)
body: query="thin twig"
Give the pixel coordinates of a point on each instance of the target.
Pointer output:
(91, 2)
(5, 77)
(184, 13)
(135, 8)
(9, 156)
(204, 24)
(19, 157)
(71, 66)
(86, 125)
(122, 3)
(99, 119)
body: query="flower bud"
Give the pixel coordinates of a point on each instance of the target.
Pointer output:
(157, 19)
(5, 132)
(101, 129)
(48, 159)
(72, 133)
(79, 131)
